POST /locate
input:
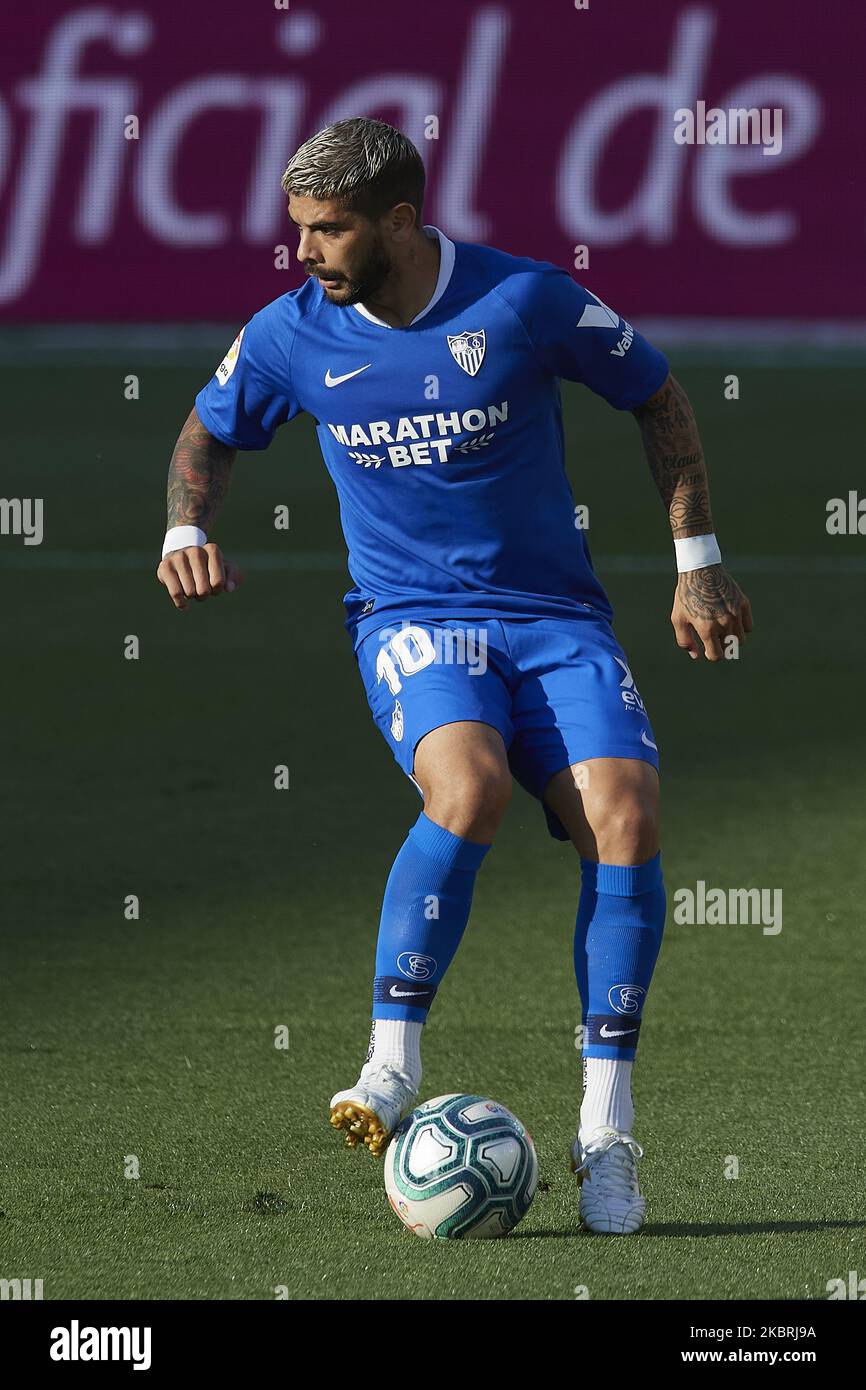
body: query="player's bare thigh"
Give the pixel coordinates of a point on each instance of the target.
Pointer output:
(610, 808)
(462, 770)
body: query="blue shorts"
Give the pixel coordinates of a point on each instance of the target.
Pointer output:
(559, 690)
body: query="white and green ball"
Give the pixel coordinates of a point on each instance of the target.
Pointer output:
(461, 1167)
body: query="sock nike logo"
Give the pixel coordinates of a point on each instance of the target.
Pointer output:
(605, 1032)
(409, 993)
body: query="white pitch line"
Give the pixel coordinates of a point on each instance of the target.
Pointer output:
(758, 341)
(315, 561)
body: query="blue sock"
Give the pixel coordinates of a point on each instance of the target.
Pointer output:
(618, 933)
(424, 915)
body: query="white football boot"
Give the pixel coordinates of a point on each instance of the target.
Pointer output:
(372, 1110)
(610, 1199)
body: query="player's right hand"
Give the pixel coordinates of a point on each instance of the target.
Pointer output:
(198, 572)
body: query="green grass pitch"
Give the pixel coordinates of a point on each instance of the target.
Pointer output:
(148, 1045)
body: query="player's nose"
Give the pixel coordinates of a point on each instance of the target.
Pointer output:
(306, 252)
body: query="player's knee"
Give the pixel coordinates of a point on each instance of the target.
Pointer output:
(471, 801)
(629, 831)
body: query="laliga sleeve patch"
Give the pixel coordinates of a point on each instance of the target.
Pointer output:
(229, 362)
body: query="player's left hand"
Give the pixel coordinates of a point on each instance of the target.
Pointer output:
(710, 606)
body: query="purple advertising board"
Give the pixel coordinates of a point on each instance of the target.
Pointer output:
(142, 144)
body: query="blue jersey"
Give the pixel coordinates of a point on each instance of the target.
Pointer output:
(444, 438)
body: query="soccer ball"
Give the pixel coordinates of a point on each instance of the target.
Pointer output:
(461, 1166)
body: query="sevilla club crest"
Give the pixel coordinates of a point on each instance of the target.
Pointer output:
(467, 349)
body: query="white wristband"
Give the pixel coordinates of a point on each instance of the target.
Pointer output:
(181, 537)
(696, 552)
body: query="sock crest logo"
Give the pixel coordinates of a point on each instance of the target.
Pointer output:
(626, 999)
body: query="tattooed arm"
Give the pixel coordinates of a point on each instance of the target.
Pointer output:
(707, 601)
(198, 480)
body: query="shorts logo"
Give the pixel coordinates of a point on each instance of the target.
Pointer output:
(230, 361)
(468, 349)
(416, 967)
(628, 690)
(397, 722)
(625, 999)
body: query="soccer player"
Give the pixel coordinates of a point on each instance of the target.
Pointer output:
(481, 632)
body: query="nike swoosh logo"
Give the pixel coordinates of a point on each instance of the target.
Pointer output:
(648, 741)
(605, 1032)
(336, 380)
(409, 993)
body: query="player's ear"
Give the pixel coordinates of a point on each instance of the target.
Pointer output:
(402, 221)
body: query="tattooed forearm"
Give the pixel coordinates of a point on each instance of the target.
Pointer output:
(676, 459)
(198, 476)
(688, 507)
(708, 606)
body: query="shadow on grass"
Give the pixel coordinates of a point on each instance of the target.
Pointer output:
(696, 1228)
